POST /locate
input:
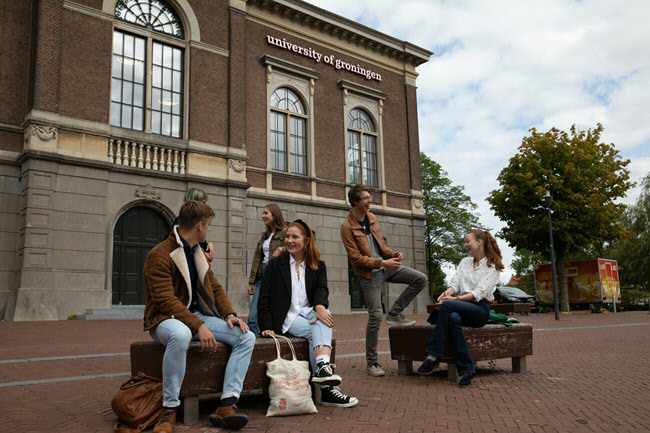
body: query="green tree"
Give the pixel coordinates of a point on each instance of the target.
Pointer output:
(633, 252)
(584, 177)
(450, 214)
(523, 263)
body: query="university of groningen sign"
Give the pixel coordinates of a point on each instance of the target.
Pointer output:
(318, 57)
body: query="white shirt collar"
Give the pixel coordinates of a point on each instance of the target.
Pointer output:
(292, 262)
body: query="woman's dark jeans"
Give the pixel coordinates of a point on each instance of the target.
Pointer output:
(452, 316)
(252, 309)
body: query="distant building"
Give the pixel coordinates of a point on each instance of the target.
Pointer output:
(111, 109)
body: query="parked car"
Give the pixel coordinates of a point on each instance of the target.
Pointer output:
(504, 294)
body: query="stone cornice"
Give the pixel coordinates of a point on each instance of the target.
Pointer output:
(343, 28)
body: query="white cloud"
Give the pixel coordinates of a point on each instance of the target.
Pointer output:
(500, 67)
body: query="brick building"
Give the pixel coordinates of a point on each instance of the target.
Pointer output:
(110, 110)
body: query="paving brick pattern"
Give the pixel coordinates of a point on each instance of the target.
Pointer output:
(589, 373)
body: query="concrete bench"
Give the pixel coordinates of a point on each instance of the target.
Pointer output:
(204, 373)
(408, 344)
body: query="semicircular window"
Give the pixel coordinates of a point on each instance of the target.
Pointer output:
(154, 15)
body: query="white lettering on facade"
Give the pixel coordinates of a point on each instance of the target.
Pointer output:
(330, 60)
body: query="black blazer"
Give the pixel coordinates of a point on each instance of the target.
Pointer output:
(275, 292)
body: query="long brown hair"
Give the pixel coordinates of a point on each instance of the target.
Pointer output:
(312, 253)
(278, 219)
(490, 247)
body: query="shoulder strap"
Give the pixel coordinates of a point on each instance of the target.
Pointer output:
(293, 352)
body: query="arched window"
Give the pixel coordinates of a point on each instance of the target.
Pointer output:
(362, 148)
(137, 102)
(288, 132)
(154, 15)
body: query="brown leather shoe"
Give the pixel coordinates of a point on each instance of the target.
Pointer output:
(166, 422)
(228, 417)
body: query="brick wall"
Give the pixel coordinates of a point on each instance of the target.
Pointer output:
(237, 90)
(15, 20)
(208, 108)
(86, 51)
(48, 55)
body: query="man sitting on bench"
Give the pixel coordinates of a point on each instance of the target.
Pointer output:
(184, 302)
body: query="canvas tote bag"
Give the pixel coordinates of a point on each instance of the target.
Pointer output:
(289, 390)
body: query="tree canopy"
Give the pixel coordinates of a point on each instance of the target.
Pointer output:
(450, 214)
(523, 263)
(633, 252)
(584, 177)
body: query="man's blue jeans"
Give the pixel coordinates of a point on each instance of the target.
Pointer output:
(452, 316)
(416, 281)
(252, 309)
(176, 336)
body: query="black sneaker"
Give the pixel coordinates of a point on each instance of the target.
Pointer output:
(465, 379)
(427, 367)
(325, 375)
(332, 396)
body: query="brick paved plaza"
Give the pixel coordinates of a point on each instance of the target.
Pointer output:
(589, 372)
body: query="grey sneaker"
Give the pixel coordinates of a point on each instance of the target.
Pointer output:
(375, 370)
(398, 320)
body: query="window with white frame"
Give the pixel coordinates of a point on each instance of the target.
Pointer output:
(148, 68)
(362, 149)
(288, 132)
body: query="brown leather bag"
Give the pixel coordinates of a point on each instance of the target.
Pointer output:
(138, 403)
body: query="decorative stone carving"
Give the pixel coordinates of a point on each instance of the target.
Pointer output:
(417, 202)
(147, 192)
(269, 73)
(237, 165)
(43, 132)
(41, 137)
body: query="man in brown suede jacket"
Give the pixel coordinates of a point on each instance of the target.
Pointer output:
(376, 264)
(185, 302)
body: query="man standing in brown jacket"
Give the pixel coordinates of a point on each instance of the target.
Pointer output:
(375, 264)
(184, 302)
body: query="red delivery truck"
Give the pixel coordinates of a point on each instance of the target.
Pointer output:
(589, 281)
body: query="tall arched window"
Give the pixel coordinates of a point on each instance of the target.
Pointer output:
(137, 102)
(362, 148)
(288, 132)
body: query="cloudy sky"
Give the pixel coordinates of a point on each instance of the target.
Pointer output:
(501, 67)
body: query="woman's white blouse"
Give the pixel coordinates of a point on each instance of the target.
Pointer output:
(299, 302)
(265, 248)
(480, 282)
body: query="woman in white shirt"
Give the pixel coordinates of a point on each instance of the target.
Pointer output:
(270, 244)
(294, 301)
(465, 303)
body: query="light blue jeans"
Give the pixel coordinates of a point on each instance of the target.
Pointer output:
(176, 337)
(252, 309)
(317, 334)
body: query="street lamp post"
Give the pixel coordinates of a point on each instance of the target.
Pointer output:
(547, 203)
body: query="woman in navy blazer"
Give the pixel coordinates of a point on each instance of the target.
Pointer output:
(294, 301)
